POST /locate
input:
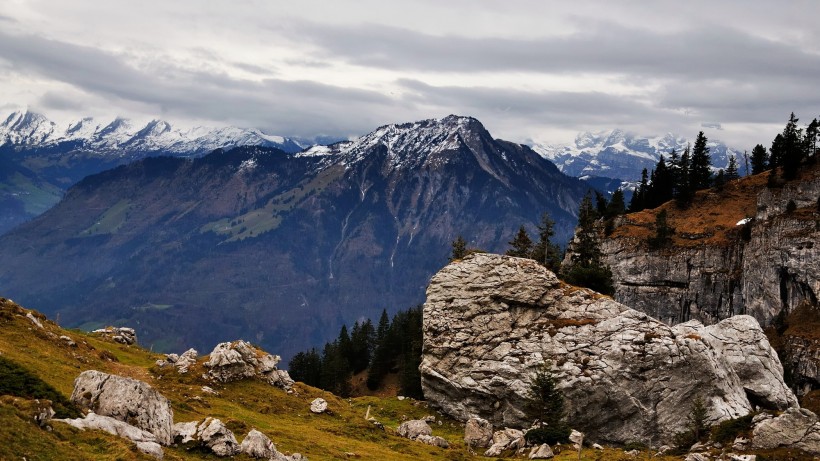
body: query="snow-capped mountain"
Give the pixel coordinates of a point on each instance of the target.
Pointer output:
(618, 154)
(26, 130)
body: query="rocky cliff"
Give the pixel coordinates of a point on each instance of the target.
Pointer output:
(739, 251)
(490, 321)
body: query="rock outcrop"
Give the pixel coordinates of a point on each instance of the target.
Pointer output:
(122, 335)
(145, 441)
(125, 399)
(257, 445)
(181, 362)
(239, 360)
(420, 431)
(795, 428)
(490, 320)
(478, 433)
(210, 433)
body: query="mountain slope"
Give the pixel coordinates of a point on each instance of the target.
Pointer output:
(276, 248)
(39, 159)
(622, 155)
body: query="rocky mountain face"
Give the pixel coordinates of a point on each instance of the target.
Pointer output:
(765, 266)
(622, 155)
(275, 248)
(490, 321)
(40, 159)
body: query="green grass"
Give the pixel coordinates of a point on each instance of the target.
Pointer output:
(111, 221)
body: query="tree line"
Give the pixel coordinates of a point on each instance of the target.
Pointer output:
(390, 347)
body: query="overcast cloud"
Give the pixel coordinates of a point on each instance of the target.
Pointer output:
(529, 70)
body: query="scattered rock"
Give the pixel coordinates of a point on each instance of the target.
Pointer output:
(697, 457)
(741, 444)
(478, 433)
(542, 451)
(632, 453)
(597, 446)
(506, 439)
(576, 437)
(122, 335)
(239, 360)
(146, 441)
(34, 320)
(181, 362)
(433, 440)
(429, 419)
(795, 428)
(184, 433)
(318, 405)
(734, 457)
(257, 445)
(414, 428)
(125, 399)
(68, 341)
(490, 320)
(209, 390)
(210, 433)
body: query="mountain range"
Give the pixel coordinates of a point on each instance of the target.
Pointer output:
(274, 247)
(622, 155)
(39, 159)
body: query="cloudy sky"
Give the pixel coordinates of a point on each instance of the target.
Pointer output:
(529, 70)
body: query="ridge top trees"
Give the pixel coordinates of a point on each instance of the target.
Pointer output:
(586, 267)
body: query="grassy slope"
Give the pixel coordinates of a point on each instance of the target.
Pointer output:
(242, 406)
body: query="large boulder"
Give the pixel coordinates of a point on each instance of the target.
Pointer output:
(490, 321)
(125, 399)
(257, 445)
(210, 433)
(145, 441)
(478, 433)
(237, 360)
(795, 428)
(414, 428)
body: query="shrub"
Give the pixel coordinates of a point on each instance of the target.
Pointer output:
(548, 434)
(19, 382)
(697, 429)
(729, 430)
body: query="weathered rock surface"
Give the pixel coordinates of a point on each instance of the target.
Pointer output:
(506, 439)
(414, 428)
(795, 428)
(239, 360)
(146, 442)
(210, 433)
(122, 335)
(542, 451)
(490, 320)
(433, 440)
(181, 362)
(318, 405)
(125, 399)
(478, 433)
(257, 445)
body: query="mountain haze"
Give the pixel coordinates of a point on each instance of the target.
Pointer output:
(277, 248)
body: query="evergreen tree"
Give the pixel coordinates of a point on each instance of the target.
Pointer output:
(662, 186)
(777, 152)
(600, 203)
(700, 171)
(793, 148)
(760, 159)
(663, 231)
(545, 252)
(459, 249)
(545, 403)
(521, 245)
(306, 367)
(720, 180)
(731, 169)
(362, 339)
(638, 201)
(810, 140)
(683, 189)
(586, 267)
(616, 206)
(335, 371)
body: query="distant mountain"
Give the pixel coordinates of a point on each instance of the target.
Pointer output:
(279, 249)
(41, 159)
(621, 155)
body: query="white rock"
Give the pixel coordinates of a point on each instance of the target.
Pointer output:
(257, 445)
(541, 452)
(478, 433)
(214, 435)
(576, 437)
(597, 446)
(184, 433)
(237, 360)
(125, 399)
(34, 320)
(795, 428)
(490, 321)
(414, 428)
(697, 457)
(318, 405)
(433, 440)
(146, 442)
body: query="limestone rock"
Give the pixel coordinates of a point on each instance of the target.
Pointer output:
(257, 445)
(478, 433)
(490, 321)
(125, 399)
(542, 451)
(506, 439)
(576, 437)
(184, 433)
(34, 320)
(697, 457)
(146, 442)
(181, 362)
(433, 440)
(122, 335)
(239, 360)
(414, 428)
(318, 405)
(795, 428)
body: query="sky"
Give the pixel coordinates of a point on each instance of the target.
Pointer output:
(530, 71)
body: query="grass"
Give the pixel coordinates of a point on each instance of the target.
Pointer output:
(111, 221)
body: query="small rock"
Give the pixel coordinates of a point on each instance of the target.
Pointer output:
(741, 444)
(433, 440)
(257, 445)
(122, 335)
(209, 390)
(734, 457)
(541, 452)
(34, 320)
(632, 453)
(214, 435)
(697, 457)
(597, 446)
(318, 405)
(697, 447)
(576, 437)
(414, 428)
(429, 419)
(478, 433)
(662, 450)
(146, 442)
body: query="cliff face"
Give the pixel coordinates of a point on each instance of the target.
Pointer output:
(768, 266)
(490, 321)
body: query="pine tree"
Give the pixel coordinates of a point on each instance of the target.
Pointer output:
(545, 403)
(616, 206)
(812, 132)
(683, 189)
(459, 249)
(720, 180)
(521, 245)
(545, 252)
(336, 371)
(793, 148)
(586, 267)
(663, 231)
(700, 170)
(731, 169)
(760, 159)
(306, 367)
(777, 152)
(662, 186)
(600, 203)
(638, 201)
